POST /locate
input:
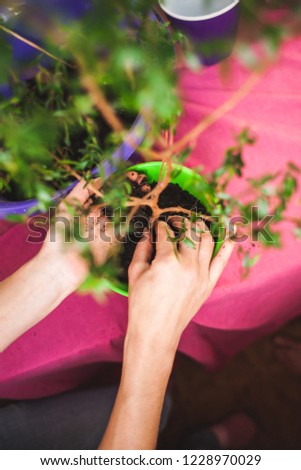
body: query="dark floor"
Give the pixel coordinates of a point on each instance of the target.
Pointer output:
(254, 382)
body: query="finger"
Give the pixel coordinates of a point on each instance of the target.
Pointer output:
(139, 178)
(178, 225)
(79, 194)
(206, 244)
(97, 222)
(105, 240)
(89, 202)
(96, 215)
(164, 245)
(220, 261)
(99, 231)
(146, 188)
(82, 192)
(190, 237)
(95, 184)
(132, 175)
(90, 224)
(142, 255)
(93, 187)
(189, 244)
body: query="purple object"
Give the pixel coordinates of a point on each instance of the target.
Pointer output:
(211, 25)
(13, 17)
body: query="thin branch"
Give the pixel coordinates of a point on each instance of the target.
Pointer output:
(78, 177)
(35, 46)
(218, 113)
(101, 103)
(88, 82)
(186, 211)
(211, 118)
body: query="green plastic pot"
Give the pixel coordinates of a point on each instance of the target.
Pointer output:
(188, 180)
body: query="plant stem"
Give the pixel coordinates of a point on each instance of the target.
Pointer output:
(78, 177)
(211, 118)
(101, 103)
(218, 113)
(34, 46)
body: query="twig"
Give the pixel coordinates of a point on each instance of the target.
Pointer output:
(78, 177)
(186, 211)
(211, 118)
(88, 82)
(157, 211)
(35, 46)
(101, 103)
(218, 113)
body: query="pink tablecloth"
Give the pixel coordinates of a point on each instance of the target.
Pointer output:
(65, 349)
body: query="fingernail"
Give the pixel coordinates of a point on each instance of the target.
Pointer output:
(132, 175)
(145, 188)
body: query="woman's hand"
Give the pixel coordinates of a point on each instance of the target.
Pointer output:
(94, 229)
(165, 295)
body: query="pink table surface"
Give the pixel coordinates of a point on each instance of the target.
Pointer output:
(65, 349)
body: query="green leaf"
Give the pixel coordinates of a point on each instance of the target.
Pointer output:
(189, 243)
(16, 218)
(94, 284)
(289, 186)
(193, 61)
(273, 239)
(248, 262)
(263, 207)
(297, 232)
(224, 196)
(245, 138)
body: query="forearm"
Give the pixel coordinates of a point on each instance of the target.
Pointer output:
(135, 419)
(28, 295)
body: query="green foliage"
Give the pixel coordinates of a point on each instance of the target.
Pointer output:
(248, 261)
(233, 163)
(51, 128)
(50, 122)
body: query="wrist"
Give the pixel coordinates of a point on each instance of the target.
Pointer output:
(56, 269)
(154, 347)
(153, 330)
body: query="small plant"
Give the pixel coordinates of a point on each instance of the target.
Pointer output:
(66, 109)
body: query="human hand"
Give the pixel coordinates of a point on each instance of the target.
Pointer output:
(65, 252)
(166, 294)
